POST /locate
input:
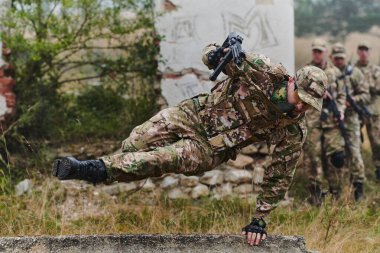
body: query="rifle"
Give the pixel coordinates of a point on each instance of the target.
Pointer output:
(236, 53)
(363, 111)
(333, 107)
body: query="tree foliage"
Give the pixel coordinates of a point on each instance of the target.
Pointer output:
(335, 17)
(61, 48)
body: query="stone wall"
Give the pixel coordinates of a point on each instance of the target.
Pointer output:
(239, 178)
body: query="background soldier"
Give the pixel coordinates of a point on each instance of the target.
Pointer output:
(357, 88)
(259, 101)
(325, 140)
(372, 77)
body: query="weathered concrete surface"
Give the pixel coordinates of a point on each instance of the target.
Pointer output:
(150, 243)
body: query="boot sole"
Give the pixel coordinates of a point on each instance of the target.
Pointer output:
(55, 167)
(62, 168)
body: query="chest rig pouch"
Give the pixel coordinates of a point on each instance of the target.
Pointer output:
(240, 115)
(224, 123)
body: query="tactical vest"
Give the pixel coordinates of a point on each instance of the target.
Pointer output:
(233, 120)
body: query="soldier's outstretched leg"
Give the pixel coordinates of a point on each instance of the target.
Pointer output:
(171, 141)
(185, 156)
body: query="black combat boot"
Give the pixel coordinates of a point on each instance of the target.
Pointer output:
(335, 192)
(358, 191)
(93, 171)
(316, 195)
(377, 172)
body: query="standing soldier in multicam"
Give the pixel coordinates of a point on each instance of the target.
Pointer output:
(325, 140)
(359, 90)
(258, 101)
(372, 77)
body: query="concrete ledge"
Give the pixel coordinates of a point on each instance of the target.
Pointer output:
(149, 243)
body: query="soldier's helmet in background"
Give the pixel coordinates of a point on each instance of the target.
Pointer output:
(311, 82)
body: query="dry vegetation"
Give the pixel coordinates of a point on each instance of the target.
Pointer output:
(54, 208)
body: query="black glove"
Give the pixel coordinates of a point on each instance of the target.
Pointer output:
(214, 56)
(256, 226)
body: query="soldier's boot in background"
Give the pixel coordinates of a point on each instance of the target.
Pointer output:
(377, 172)
(335, 191)
(316, 195)
(67, 168)
(358, 191)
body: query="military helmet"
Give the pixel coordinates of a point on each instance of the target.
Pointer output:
(311, 85)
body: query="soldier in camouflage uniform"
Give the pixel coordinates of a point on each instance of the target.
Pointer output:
(325, 140)
(372, 77)
(258, 101)
(359, 90)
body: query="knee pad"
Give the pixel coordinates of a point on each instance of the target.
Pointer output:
(337, 159)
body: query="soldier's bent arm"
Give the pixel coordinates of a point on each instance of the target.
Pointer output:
(375, 88)
(279, 174)
(360, 88)
(340, 96)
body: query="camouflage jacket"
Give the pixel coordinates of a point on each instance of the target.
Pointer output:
(239, 112)
(336, 88)
(372, 78)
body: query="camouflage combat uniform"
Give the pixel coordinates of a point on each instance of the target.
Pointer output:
(372, 77)
(325, 133)
(204, 131)
(359, 90)
(356, 86)
(360, 93)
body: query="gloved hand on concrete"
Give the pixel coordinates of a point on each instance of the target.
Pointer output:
(255, 231)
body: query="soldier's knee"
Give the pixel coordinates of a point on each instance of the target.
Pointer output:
(132, 144)
(337, 159)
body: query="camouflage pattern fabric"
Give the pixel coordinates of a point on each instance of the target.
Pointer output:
(202, 132)
(171, 141)
(372, 78)
(359, 90)
(329, 131)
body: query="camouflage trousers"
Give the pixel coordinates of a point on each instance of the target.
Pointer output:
(355, 161)
(373, 131)
(318, 148)
(172, 141)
